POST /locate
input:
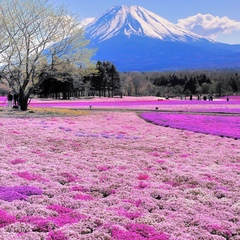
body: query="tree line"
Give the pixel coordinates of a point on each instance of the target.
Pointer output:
(181, 83)
(67, 81)
(106, 81)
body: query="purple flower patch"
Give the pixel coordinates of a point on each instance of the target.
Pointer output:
(224, 126)
(10, 194)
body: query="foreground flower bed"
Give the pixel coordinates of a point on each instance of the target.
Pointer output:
(225, 126)
(112, 175)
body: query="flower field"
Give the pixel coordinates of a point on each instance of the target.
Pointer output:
(100, 174)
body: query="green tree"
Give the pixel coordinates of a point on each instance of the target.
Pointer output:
(114, 80)
(235, 83)
(64, 79)
(33, 32)
(219, 88)
(191, 85)
(206, 88)
(107, 80)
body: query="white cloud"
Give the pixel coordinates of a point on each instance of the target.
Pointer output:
(209, 26)
(86, 21)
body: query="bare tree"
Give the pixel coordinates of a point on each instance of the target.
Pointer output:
(32, 33)
(137, 82)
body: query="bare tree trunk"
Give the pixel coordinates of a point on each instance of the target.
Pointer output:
(23, 101)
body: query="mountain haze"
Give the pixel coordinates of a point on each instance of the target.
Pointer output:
(135, 39)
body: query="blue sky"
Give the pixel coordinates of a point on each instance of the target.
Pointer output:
(217, 19)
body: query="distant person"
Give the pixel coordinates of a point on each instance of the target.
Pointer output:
(9, 98)
(227, 99)
(15, 99)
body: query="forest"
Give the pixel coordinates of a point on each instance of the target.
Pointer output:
(181, 83)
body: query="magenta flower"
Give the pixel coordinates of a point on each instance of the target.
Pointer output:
(67, 218)
(78, 189)
(30, 176)
(40, 224)
(18, 161)
(219, 230)
(142, 185)
(6, 219)
(56, 235)
(137, 231)
(60, 209)
(103, 168)
(66, 215)
(129, 214)
(142, 176)
(83, 197)
(69, 177)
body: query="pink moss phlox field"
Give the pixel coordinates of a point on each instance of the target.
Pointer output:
(125, 178)
(225, 126)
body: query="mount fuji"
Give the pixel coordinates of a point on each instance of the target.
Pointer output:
(135, 39)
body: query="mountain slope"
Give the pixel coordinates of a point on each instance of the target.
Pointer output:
(135, 39)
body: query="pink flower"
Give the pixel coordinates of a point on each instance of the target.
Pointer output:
(83, 197)
(60, 209)
(155, 154)
(78, 188)
(129, 214)
(30, 176)
(6, 219)
(142, 176)
(103, 168)
(69, 177)
(142, 185)
(17, 161)
(56, 235)
(137, 231)
(40, 224)
(219, 230)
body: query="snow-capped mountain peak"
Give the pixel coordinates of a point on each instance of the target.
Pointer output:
(136, 21)
(135, 39)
